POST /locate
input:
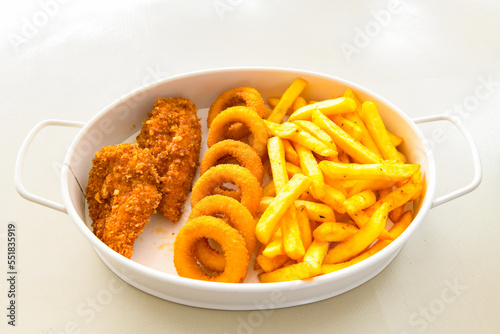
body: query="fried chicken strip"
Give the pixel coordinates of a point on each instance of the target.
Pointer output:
(172, 132)
(122, 194)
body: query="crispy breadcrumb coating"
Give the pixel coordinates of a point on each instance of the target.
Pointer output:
(172, 132)
(122, 194)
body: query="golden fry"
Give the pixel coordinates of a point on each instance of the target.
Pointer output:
(349, 127)
(334, 232)
(352, 147)
(310, 167)
(360, 201)
(317, 132)
(284, 130)
(315, 211)
(292, 241)
(370, 116)
(286, 100)
(269, 190)
(316, 253)
(293, 169)
(339, 105)
(290, 154)
(399, 196)
(361, 185)
(304, 226)
(398, 228)
(269, 220)
(276, 152)
(358, 242)
(298, 103)
(297, 271)
(382, 171)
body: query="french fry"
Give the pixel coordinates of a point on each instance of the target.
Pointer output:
(381, 171)
(268, 190)
(366, 139)
(400, 195)
(330, 196)
(267, 112)
(395, 140)
(290, 154)
(316, 252)
(317, 132)
(304, 226)
(293, 169)
(395, 214)
(370, 116)
(402, 224)
(297, 271)
(360, 201)
(396, 230)
(276, 153)
(362, 185)
(269, 220)
(314, 144)
(310, 267)
(358, 242)
(339, 105)
(352, 147)
(315, 211)
(334, 232)
(360, 218)
(283, 130)
(286, 100)
(274, 248)
(349, 127)
(292, 242)
(298, 103)
(337, 184)
(269, 264)
(273, 102)
(310, 167)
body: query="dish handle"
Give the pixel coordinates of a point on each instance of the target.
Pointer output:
(20, 162)
(475, 158)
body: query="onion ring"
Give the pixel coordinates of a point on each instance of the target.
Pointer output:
(240, 96)
(236, 215)
(241, 152)
(231, 241)
(251, 191)
(258, 130)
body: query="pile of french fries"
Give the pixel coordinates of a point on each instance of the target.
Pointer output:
(338, 181)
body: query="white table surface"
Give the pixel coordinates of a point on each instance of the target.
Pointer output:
(69, 59)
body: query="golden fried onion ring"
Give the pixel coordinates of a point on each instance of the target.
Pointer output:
(221, 124)
(240, 96)
(236, 215)
(241, 152)
(251, 191)
(231, 241)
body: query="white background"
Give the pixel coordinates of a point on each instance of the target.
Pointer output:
(70, 59)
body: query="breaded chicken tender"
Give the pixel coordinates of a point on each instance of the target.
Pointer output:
(172, 132)
(122, 194)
